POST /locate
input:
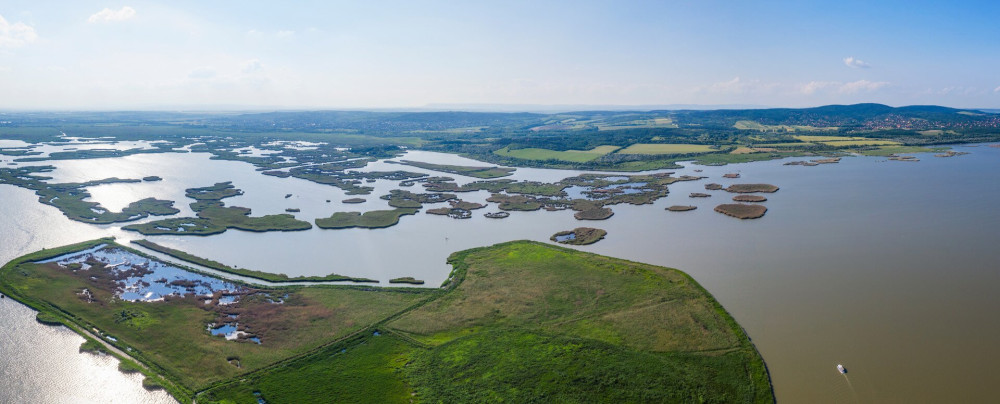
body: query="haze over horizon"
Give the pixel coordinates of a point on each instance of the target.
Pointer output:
(401, 55)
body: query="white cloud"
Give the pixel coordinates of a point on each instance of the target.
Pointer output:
(996, 90)
(252, 66)
(109, 15)
(861, 85)
(285, 34)
(851, 62)
(731, 85)
(15, 35)
(814, 86)
(844, 88)
(202, 73)
(739, 86)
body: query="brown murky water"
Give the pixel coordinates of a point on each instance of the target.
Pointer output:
(886, 267)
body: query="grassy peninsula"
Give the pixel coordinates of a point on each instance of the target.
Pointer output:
(517, 319)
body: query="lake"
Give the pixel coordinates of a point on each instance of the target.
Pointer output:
(886, 267)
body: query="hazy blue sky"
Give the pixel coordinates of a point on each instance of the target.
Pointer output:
(140, 54)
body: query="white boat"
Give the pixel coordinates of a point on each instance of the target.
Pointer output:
(841, 369)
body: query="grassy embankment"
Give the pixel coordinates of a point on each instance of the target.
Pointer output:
(170, 338)
(265, 276)
(477, 172)
(525, 322)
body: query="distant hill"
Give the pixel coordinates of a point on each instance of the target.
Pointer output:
(857, 115)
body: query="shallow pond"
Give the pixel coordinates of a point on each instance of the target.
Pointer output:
(142, 279)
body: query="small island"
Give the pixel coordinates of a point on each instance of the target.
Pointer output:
(752, 188)
(749, 198)
(579, 236)
(353, 200)
(374, 219)
(596, 213)
(407, 279)
(713, 186)
(731, 175)
(681, 208)
(742, 210)
(699, 195)
(152, 178)
(496, 215)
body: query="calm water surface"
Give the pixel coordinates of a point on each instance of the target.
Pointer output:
(886, 267)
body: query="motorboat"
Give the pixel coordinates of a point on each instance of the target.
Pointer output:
(841, 369)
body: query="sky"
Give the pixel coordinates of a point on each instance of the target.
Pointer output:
(96, 55)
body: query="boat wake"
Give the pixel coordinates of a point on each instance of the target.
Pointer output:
(849, 385)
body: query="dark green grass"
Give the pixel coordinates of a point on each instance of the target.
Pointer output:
(367, 371)
(525, 367)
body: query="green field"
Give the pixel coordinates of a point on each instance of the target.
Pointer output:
(575, 156)
(558, 310)
(667, 148)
